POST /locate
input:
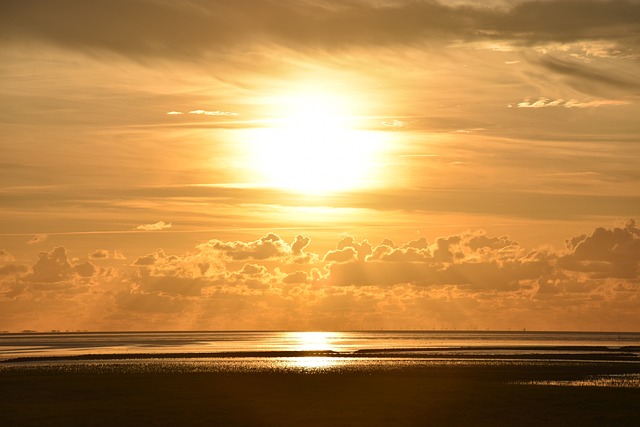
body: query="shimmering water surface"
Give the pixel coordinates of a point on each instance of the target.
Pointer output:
(318, 352)
(55, 344)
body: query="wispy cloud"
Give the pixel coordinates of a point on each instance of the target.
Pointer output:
(160, 225)
(38, 238)
(572, 103)
(182, 30)
(591, 74)
(203, 113)
(213, 113)
(394, 123)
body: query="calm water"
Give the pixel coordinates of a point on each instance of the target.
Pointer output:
(400, 342)
(318, 352)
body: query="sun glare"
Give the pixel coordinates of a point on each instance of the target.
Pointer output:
(312, 341)
(314, 146)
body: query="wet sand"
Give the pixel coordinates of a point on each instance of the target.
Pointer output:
(469, 394)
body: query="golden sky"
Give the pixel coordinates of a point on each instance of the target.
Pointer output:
(319, 165)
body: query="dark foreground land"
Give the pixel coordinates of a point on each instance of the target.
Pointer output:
(433, 395)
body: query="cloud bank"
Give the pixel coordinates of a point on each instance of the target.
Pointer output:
(464, 280)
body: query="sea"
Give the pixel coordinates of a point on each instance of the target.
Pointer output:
(65, 344)
(316, 351)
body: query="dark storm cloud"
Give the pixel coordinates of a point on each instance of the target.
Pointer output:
(187, 29)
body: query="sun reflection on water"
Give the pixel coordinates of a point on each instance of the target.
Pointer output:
(314, 341)
(313, 363)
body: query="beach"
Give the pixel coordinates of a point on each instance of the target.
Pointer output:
(249, 392)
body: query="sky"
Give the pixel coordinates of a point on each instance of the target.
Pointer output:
(319, 165)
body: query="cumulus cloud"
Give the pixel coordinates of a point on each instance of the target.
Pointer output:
(55, 266)
(160, 225)
(105, 254)
(341, 255)
(85, 269)
(99, 254)
(270, 246)
(459, 280)
(152, 259)
(52, 266)
(606, 252)
(54, 283)
(253, 270)
(299, 244)
(479, 263)
(211, 269)
(470, 258)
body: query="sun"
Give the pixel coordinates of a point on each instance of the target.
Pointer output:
(315, 146)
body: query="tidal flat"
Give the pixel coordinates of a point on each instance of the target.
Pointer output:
(319, 392)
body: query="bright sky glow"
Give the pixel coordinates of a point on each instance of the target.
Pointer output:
(319, 165)
(314, 147)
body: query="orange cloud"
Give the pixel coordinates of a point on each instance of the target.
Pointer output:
(6, 256)
(461, 280)
(160, 225)
(38, 238)
(216, 25)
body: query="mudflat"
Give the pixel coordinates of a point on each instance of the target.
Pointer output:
(473, 394)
